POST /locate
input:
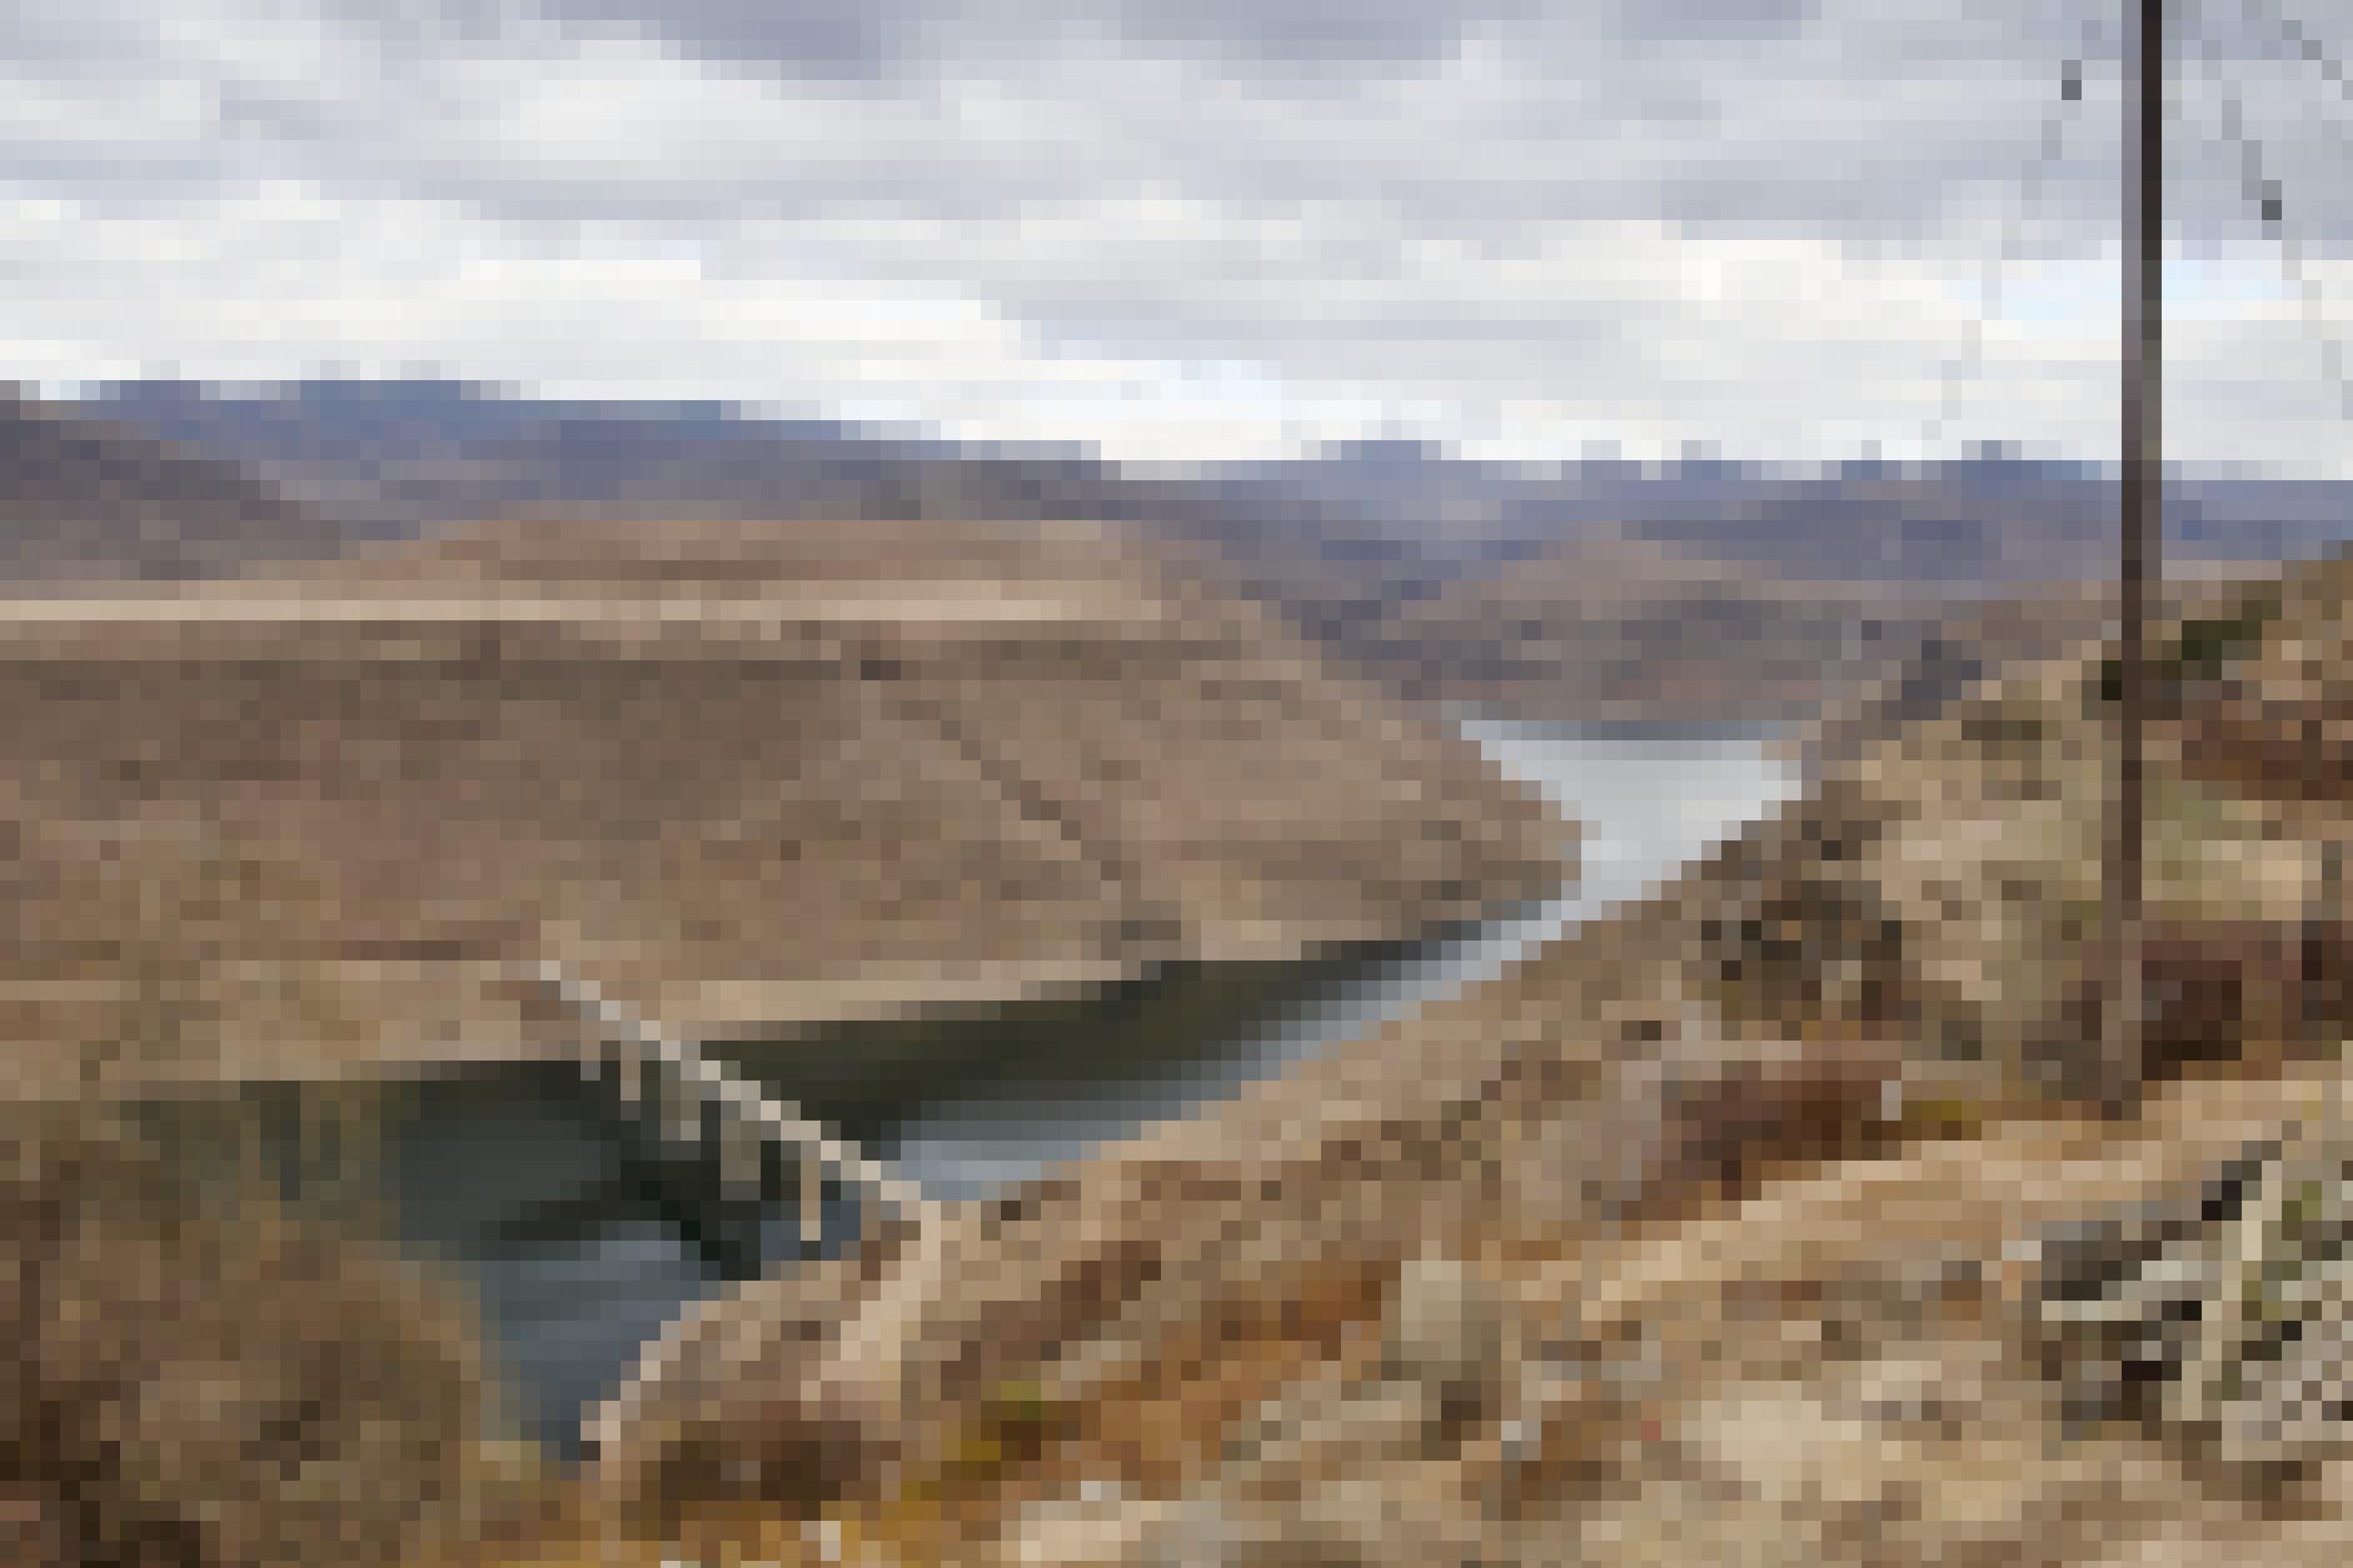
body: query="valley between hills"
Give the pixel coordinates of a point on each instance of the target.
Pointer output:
(1763, 1217)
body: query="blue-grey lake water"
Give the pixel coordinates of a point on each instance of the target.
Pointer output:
(576, 1262)
(1647, 800)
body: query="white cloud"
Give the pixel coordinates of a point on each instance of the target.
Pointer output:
(1523, 234)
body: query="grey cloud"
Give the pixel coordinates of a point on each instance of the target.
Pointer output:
(817, 41)
(846, 37)
(1882, 121)
(989, 149)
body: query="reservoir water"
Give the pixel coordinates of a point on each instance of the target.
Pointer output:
(576, 1262)
(1647, 800)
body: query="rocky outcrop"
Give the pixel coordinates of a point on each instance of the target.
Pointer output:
(1890, 1357)
(1100, 1287)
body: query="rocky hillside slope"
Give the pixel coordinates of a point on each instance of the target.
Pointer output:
(1755, 1222)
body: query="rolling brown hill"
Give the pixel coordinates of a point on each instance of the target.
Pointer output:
(744, 778)
(1617, 628)
(85, 499)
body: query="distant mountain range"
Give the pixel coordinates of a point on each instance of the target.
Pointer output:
(1393, 551)
(82, 498)
(416, 453)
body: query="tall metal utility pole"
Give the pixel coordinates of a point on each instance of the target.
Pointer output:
(2139, 566)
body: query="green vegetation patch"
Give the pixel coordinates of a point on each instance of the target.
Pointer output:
(2202, 648)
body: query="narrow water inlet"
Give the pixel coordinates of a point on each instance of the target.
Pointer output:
(1646, 798)
(581, 1241)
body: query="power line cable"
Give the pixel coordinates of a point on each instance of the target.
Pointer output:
(2269, 199)
(2314, 51)
(2049, 144)
(1970, 358)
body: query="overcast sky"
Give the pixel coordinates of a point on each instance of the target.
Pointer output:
(1179, 228)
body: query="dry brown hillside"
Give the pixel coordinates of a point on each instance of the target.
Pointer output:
(743, 776)
(193, 1376)
(1614, 628)
(1619, 628)
(1754, 1224)
(305, 825)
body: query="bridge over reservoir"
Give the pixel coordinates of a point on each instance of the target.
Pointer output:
(593, 1176)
